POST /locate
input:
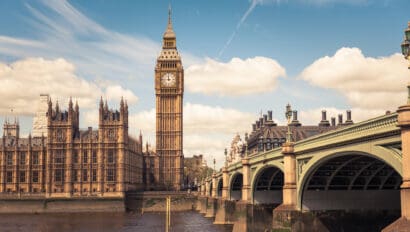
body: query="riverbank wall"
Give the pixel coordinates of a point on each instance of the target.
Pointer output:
(155, 201)
(63, 205)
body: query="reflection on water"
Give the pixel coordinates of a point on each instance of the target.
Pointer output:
(93, 222)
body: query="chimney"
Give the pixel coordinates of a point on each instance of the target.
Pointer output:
(295, 121)
(324, 121)
(261, 122)
(253, 127)
(265, 118)
(269, 121)
(295, 115)
(349, 117)
(333, 119)
(258, 125)
(340, 117)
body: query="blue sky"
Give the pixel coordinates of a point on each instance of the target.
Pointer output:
(314, 54)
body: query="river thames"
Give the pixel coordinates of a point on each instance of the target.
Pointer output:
(105, 222)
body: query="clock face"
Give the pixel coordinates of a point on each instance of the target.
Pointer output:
(168, 80)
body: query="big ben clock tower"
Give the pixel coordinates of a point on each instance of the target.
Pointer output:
(169, 91)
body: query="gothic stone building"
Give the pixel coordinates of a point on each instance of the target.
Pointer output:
(267, 135)
(69, 162)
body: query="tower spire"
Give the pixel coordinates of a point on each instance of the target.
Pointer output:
(169, 32)
(169, 16)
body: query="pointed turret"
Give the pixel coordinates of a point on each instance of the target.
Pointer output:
(106, 106)
(101, 103)
(70, 103)
(57, 107)
(169, 32)
(122, 104)
(77, 109)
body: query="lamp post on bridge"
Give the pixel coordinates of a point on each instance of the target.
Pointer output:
(405, 49)
(283, 213)
(403, 223)
(214, 184)
(288, 115)
(225, 177)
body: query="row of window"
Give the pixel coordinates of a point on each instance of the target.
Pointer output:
(168, 65)
(77, 174)
(276, 142)
(22, 176)
(59, 175)
(169, 44)
(58, 157)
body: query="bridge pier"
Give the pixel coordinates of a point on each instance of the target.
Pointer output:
(246, 189)
(211, 206)
(225, 182)
(203, 202)
(243, 217)
(403, 223)
(225, 212)
(284, 214)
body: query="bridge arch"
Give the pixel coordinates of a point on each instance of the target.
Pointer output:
(210, 188)
(235, 186)
(219, 185)
(267, 184)
(356, 178)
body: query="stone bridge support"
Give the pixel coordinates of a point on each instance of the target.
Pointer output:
(202, 199)
(226, 208)
(403, 223)
(212, 201)
(225, 183)
(283, 214)
(214, 192)
(246, 187)
(243, 207)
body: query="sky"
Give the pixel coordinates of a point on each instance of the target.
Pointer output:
(241, 58)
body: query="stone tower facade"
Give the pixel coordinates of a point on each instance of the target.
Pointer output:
(169, 91)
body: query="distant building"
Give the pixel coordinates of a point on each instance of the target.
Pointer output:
(195, 169)
(67, 161)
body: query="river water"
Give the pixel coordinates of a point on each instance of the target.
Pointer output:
(105, 222)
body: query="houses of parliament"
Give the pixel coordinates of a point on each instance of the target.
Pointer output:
(61, 160)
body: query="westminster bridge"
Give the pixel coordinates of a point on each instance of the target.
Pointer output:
(360, 168)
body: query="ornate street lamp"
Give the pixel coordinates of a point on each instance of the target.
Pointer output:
(214, 165)
(246, 149)
(288, 115)
(405, 49)
(226, 157)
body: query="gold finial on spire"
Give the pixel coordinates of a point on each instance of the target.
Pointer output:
(169, 13)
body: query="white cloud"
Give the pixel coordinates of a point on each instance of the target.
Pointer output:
(23, 81)
(237, 77)
(367, 83)
(97, 52)
(207, 129)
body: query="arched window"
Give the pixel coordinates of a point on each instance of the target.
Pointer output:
(260, 144)
(268, 144)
